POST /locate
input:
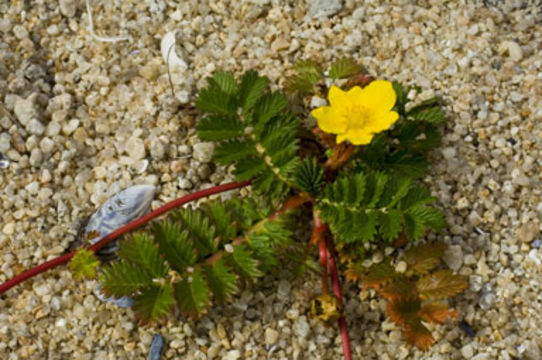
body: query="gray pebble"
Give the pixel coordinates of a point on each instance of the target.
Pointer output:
(35, 127)
(135, 148)
(203, 152)
(68, 8)
(5, 142)
(36, 157)
(453, 257)
(157, 150)
(25, 111)
(323, 8)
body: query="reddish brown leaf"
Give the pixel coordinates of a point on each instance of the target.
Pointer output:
(403, 311)
(417, 334)
(399, 287)
(377, 275)
(423, 258)
(440, 285)
(437, 312)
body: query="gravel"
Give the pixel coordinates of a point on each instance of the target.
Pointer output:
(81, 119)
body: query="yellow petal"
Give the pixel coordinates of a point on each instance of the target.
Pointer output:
(355, 94)
(337, 97)
(356, 137)
(329, 119)
(382, 121)
(378, 95)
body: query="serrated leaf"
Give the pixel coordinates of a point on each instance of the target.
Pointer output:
(244, 263)
(308, 73)
(225, 81)
(214, 100)
(390, 224)
(417, 334)
(231, 151)
(399, 287)
(222, 218)
(417, 195)
(249, 168)
(192, 294)
(431, 114)
(423, 258)
(377, 275)
(154, 303)
(174, 245)
(200, 230)
(344, 68)
(437, 312)
(440, 285)
(404, 310)
(309, 176)
(267, 107)
(84, 264)
(140, 250)
(414, 227)
(222, 282)
(219, 127)
(375, 186)
(123, 278)
(429, 216)
(251, 89)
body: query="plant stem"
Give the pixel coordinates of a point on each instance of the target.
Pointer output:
(290, 204)
(318, 238)
(337, 291)
(120, 231)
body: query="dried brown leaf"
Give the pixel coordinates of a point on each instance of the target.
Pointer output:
(417, 334)
(437, 312)
(377, 275)
(404, 310)
(423, 258)
(399, 287)
(440, 285)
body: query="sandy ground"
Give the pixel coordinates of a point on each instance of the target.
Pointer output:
(82, 118)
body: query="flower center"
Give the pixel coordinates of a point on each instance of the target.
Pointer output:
(359, 117)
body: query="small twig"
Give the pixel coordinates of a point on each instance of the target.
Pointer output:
(169, 70)
(102, 38)
(120, 231)
(337, 291)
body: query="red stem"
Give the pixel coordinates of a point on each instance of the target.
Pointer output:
(120, 231)
(337, 291)
(318, 237)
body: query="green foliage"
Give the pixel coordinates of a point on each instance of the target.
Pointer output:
(344, 68)
(361, 206)
(186, 244)
(368, 197)
(417, 293)
(253, 129)
(307, 74)
(404, 149)
(84, 264)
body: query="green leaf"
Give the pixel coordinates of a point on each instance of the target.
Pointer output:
(222, 218)
(84, 264)
(154, 303)
(225, 81)
(200, 230)
(231, 151)
(390, 224)
(308, 73)
(429, 111)
(251, 89)
(375, 185)
(428, 216)
(441, 284)
(249, 168)
(414, 227)
(310, 176)
(344, 68)
(267, 107)
(174, 245)
(122, 278)
(219, 127)
(244, 263)
(215, 101)
(396, 189)
(417, 195)
(222, 282)
(140, 250)
(192, 294)
(402, 95)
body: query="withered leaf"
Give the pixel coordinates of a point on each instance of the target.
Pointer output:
(440, 285)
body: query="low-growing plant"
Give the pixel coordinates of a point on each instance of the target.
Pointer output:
(354, 167)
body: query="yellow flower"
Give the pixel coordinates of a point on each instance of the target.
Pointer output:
(358, 114)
